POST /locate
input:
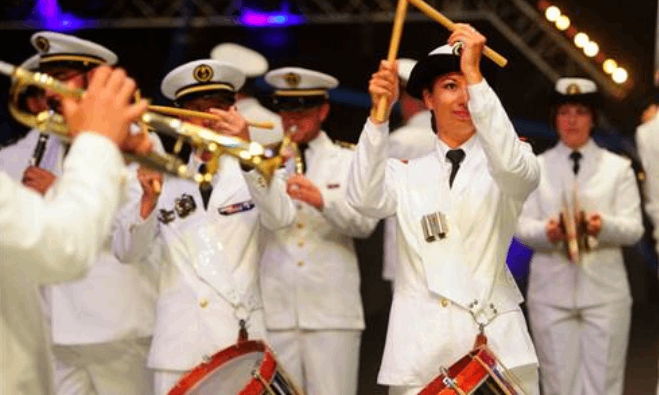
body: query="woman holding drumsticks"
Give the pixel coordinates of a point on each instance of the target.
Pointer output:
(457, 208)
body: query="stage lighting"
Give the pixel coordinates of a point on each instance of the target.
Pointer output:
(591, 49)
(552, 13)
(581, 39)
(620, 75)
(609, 66)
(563, 22)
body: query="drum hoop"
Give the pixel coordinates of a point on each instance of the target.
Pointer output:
(266, 370)
(467, 373)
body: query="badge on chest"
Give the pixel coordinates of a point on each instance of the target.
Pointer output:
(435, 226)
(236, 208)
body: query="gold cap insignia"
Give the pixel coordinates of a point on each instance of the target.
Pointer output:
(203, 73)
(42, 44)
(292, 79)
(573, 89)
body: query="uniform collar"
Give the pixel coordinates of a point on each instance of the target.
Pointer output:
(320, 142)
(247, 102)
(468, 147)
(421, 119)
(587, 150)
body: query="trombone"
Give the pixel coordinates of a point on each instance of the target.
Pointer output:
(266, 161)
(175, 111)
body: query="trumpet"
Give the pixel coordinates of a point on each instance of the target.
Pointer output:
(198, 114)
(266, 161)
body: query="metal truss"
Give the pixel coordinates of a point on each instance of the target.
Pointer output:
(518, 21)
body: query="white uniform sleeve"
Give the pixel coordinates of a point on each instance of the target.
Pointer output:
(625, 225)
(512, 163)
(276, 208)
(649, 154)
(371, 179)
(531, 229)
(346, 219)
(56, 239)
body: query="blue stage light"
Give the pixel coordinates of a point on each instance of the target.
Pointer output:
(51, 17)
(281, 18)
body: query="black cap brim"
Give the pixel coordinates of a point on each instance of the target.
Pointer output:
(593, 99)
(428, 69)
(296, 103)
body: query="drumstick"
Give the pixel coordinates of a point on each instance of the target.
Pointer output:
(447, 23)
(200, 114)
(397, 31)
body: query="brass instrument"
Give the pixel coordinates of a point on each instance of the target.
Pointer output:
(201, 139)
(175, 111)
(572, 220)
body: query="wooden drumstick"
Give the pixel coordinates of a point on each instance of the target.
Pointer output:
(157, 188)
(397, 31)
(447, 23)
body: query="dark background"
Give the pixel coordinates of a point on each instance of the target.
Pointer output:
(351, 52)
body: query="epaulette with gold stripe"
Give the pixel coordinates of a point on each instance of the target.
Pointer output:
(344, 144)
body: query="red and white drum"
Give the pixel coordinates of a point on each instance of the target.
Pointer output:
(477, 373)
(246, 368)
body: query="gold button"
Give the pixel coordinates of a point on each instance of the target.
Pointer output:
(203, 303)
(300, 243)
(444, 302)
(300, 263)
(300, 225)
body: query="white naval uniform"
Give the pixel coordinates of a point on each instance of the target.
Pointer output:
(100, 325)
(310, 281)
(252, 110)
(410, 141)
(647, 145)
(440, 284)
(208, 262)
(47, 240)
(580, 313)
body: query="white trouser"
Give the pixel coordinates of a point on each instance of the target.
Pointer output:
(581, 351)
(321, 362)
(526, 375)
(114, 368)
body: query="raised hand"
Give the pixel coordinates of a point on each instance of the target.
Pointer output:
(384, 83)
(473, 43)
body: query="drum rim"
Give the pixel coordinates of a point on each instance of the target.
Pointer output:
(267, 368)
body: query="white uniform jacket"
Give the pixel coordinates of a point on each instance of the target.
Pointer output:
(440, 284)
(113, 301)
(208, 260)
(252, 110)
(46, 241)
(606, 185)
(647, 144)
(410, 141)
(309, 272)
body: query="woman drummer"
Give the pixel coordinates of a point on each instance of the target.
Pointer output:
(457, 209)
(580, 310)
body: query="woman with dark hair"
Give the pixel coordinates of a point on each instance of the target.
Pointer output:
(578, 299)
(453, 284)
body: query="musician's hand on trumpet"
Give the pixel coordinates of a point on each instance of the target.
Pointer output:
(593, 224)
(472, 43)
(301, 188)
(384, 83)
(38, 179)
(106, 109)
(151, 183)
(230, 123)
(554, 230)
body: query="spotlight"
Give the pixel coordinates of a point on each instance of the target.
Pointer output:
(563, 22)
(581, 39)
(609, 66)
(591, 49)
(620, 75)
(552, 13)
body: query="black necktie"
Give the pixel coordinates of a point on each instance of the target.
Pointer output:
(456, 156)
(205, 188)
(302, 147)
(576, 157)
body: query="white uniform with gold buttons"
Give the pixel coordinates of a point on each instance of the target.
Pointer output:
(100, 325)
(208, 259)
(309, 271)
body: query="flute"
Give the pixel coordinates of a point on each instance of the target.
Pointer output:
(39, 150)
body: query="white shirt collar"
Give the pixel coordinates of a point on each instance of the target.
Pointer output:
(586, 150)
(468, 147)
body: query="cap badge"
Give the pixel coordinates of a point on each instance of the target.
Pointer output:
(42, 44)
(292, 79)
(203, 73)
(573, 89)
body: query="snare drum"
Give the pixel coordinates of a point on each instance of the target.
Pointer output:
(477, 373)
(246, 368)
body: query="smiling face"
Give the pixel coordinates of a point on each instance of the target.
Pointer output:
(574, 123)
(448, 101)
